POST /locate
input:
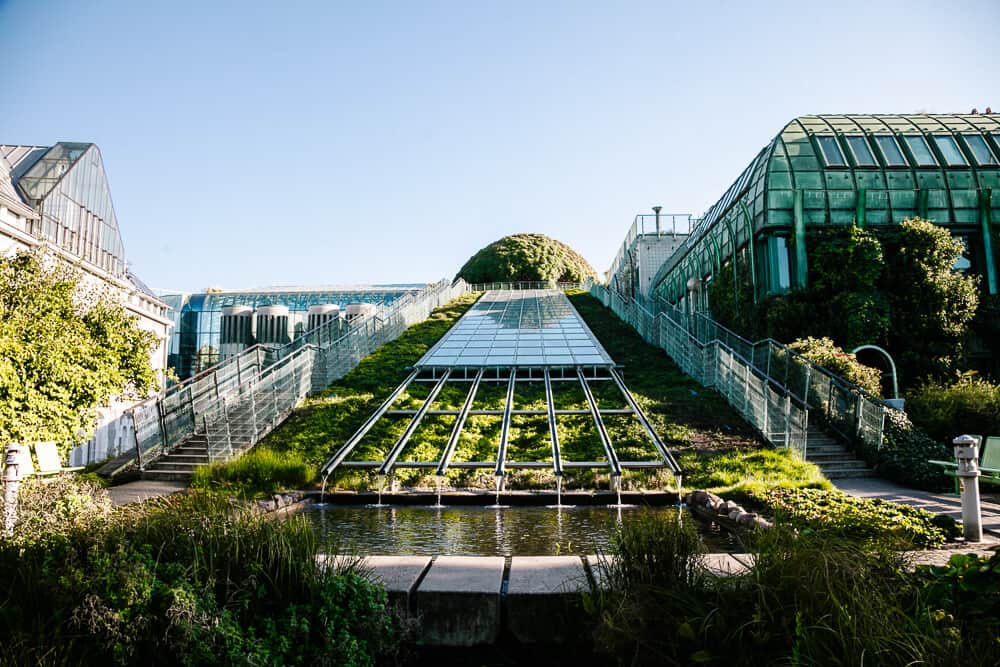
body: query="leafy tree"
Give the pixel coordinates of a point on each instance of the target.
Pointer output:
(64, 351)
(931, 305)
(526, 257)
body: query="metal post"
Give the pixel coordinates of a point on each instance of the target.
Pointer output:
(967, 457)
(11, 483)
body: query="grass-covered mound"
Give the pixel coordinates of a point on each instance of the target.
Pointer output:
(694, 422)
(526, 257)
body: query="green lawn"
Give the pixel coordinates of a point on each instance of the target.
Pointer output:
(716, 448)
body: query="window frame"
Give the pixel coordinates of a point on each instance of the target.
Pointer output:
(848, 139)
(938, 143)
(916, 161)
(840, 151)
(903, 164)
(975, 156)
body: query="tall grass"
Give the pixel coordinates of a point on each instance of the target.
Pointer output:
(259, 472)
(807, 600)
(193, 579)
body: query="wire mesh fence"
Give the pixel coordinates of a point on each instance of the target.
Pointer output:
(236, 402)
(772, 386)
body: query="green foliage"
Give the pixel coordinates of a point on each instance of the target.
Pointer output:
(970, 404)
(867, 519)
(931, 305)
(260, 472)
(740, 473)
(823, 352)
(526, 257)
(968, 586)
(188, 580)
(892, 287)
(63, 352)
(808, 599)
(905, 452)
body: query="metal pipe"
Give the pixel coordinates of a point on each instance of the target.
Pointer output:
(553, 432)
(646, 425)
(343, 452)
(411, 428)
(609, 450)
(456, 431)
(505, 424)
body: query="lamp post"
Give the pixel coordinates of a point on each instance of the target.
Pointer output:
(11, 483)
(656, 210)
(967, 457)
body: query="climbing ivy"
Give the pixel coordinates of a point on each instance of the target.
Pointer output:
(64, 351)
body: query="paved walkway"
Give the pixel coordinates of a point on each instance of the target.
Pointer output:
(938, 503)
(143, 489)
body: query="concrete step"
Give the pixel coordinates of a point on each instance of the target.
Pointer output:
(174, 466)
(167, 475)
(845, 474)
(197, 459)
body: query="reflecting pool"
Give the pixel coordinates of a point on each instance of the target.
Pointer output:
(484, 531)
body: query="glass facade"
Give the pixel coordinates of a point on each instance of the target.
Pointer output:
(197, 339)
(68, 186)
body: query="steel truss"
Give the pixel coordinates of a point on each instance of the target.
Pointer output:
(512, 377)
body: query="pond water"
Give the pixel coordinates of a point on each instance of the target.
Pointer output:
(484, 531)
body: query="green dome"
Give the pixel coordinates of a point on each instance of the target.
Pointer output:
(526, 257)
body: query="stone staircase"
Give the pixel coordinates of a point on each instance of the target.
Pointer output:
(834, 459)
(180, 462)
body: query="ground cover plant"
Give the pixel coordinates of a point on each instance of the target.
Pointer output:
(688, 418)
(192, 579)
(526, 257)
(807, 599)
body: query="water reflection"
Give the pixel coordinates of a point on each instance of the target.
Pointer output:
(470, 531)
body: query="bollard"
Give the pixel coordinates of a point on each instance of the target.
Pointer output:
(967, 457)
(11, 483)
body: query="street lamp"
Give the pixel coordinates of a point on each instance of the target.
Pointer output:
(656, 210)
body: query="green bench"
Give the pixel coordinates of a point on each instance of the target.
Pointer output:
(989, 463)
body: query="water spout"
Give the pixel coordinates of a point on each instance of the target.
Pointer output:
(439, 479)
(322, 493)
(379, 483)
(499, 483)
(616, 485)
(559, 504)
(680, 494)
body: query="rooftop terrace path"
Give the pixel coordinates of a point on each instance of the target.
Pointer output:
(937, 503)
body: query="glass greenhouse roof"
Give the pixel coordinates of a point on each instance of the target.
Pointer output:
(518, 328)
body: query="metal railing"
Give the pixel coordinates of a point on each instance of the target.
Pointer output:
(526, 284)
(773, 387)
(224, 399)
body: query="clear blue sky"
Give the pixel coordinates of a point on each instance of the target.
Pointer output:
(312, 142)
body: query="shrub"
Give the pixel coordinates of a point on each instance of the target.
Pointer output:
(188, 580)
(526, 257)
(823, 352)
(971, 404)
(259, 472)
(866, 519)
(905, 452)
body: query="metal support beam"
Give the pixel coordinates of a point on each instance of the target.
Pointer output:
(748, 219)
(801, 261)
(348, 446)
(553, 432)
(456, 431)
(650, 431)
(860, 209)
(505, 424)
(985, 215)
(609, 450)
(411, 428)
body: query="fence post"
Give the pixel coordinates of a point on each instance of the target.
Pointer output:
(229, 432)
(788, 419)
(135, 435)
(163, 426)
(805, 392)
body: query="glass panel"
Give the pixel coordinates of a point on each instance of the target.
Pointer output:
(778, 252)
(862, 154)
(890, 151)
(949, 150)
(977, 144)
(921, 153)
(831, 152)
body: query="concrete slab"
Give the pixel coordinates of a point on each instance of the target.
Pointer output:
(459, 600)
(145, 489)
(399, 575)
(544, 598)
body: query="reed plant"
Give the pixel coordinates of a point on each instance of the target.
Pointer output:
(260, 472)
(807, 599)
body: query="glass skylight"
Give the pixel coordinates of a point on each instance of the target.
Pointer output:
(890, 151)
(921, 152)
(949, 150)
(518, 328)
(862, 154)
(831, 151)
(978, 146)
